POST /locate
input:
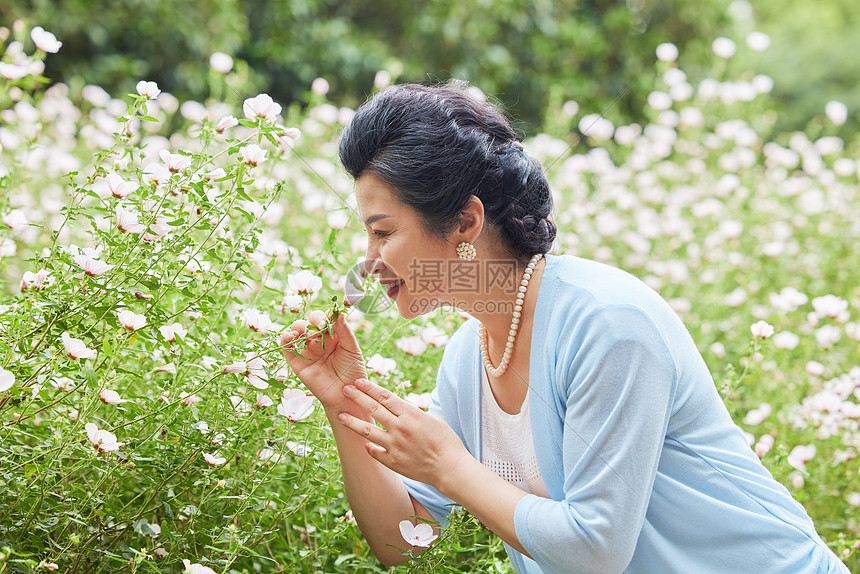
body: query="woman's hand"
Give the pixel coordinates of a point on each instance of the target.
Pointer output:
(413, 443)
(325, 370)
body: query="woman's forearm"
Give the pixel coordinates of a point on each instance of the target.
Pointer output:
(376, 494)
(488, 497)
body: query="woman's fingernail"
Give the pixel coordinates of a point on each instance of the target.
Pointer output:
(348, 389)
(342, 417)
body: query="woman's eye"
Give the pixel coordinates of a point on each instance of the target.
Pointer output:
(380, 234)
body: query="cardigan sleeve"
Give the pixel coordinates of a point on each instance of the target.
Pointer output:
(616, 378)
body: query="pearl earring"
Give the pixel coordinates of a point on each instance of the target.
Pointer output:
(466, 251)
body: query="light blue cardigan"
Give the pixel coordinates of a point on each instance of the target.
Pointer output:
(646, 469)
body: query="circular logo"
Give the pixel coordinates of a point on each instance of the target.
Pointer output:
(363, 291)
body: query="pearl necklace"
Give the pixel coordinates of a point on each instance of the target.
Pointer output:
(515, 324)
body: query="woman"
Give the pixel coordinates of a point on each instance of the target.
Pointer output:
(573, 414)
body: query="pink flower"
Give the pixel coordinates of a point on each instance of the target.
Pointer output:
(380, 365)
(127, 221)
(413, 345)
(148, 90)
(764, 444)
(221, 62)
(175, 162)
(214, 460)
(235, 367)
(76, 348)
(263, 401)
(417, 535)
(304, 282)
(252, 155)
(90, 265)
(110, 397)
(800, 455)
(49, 565)
(118, 186)
(225, 123)
(44, 40)
(156, 172)
(830, 306)
(170, 332)
(7, 379)
(295, 405)
(197, 568)
(39, 280)
(13, 71)
(258, 321)
(101, 439)
(131, 320)
(761, 329)
(757, 416)
(261, 106)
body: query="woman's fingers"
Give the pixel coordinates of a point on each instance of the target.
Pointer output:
(384, 397)
(364, 429)
(373, 407)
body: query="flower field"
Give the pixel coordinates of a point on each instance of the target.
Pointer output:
(152, 250)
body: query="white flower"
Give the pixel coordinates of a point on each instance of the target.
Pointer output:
(828, 335)
(764, 444)
(413, 345)
(156, 172)
(127, 221)
(214, 460)
(304, 282)
(118, 186)
(380, 365)
(420, 535)
(101, 439)
(758, 41)
(226, 122)
(235, 367)
(170, 332)
(76, 348)
(420, 400)
(110, 397)
(39, 280)
(723, 47)
(829, 306)
(261, 106)
(221, 62)
(131, 320)
(90, 265)
(44, 40)
(7, 379)
(814, 368)
(786, 340)
(255, 371)
(263, 401)
(800, 455)
(667, 52)
(757, 416)
(175, 162)
(197, 568)
(320, 86)
(13, 71)
(148, 90)
(295, 405)
(761, 329)
(597, 127)
(252, 154)
(837, 112)
(259, 321)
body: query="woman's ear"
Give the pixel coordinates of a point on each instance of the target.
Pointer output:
(471, 220)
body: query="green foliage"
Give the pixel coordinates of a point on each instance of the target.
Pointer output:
(529, 54)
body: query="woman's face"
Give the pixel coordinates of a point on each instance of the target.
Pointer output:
(411, 265)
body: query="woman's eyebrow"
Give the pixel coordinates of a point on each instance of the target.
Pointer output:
(376, 217)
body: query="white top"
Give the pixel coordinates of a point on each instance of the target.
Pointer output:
(507, 447)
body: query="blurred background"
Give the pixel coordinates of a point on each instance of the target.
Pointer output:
(532, 55)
